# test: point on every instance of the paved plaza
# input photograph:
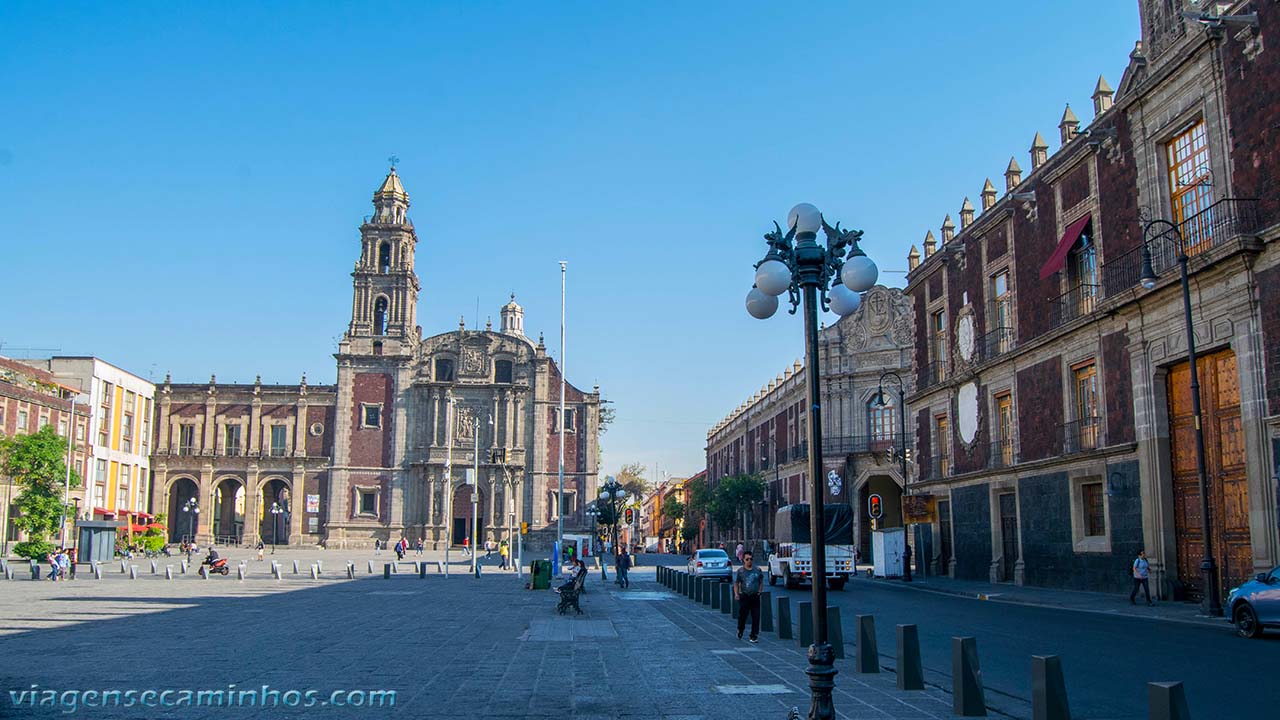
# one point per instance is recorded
(459, 647)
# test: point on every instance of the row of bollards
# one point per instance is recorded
(1165, 700)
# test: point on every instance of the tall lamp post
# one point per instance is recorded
(192, 507)
(276, 511)
(822, 278)
(1210, 602)
(614, 496)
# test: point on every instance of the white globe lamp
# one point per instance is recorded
(761, 305)
(773, 277)
(859, 273)
(844, 301)
(805, 218)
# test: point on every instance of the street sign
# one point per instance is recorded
(875, 506)
(921, 509)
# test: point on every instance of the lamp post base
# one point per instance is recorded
(1210, 604)
(822, 680)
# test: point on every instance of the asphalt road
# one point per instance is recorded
(1107, 660)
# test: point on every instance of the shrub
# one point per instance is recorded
(34, 549)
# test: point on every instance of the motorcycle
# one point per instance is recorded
(217, 566)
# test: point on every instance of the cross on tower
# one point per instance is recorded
(393, 160)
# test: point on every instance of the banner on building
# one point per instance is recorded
(919, 509)
(313, 503)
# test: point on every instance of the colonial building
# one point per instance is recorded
(861, 430)
(413, 426)
(30, 399)
(1053, 404)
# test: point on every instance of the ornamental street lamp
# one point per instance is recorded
(828, 278)
(902, 431)
(192, 507)
(276, 512)
(1210, 602)
(615, 496)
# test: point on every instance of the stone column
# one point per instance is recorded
(493, 501)
(208, 433)
(162, 425)
(300, 430)
(297, 506)
(204, 523)
(252, 507)
(255, 426)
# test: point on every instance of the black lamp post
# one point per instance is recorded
(614, 496)
(1210, 601)
(192, 507)
(819, 277)
(276, 512)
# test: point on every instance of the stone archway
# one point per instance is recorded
(182, 524)
(886, 486)
(273, 527)
(460, 525)
(227, 518)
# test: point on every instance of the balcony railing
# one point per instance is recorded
(1002, 454)
(1216, 225)
(940, 466)
(996, 343)
(854, 444)
(1080, 435)
(1075, 303)
(933, 373)
(800, 452)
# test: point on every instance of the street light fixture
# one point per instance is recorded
(193, 507)
(615, 496)
(276, 512)
(827, 278)
(1210, 602)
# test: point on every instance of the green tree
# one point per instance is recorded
(732, 498)
(37, 464)
(689, 532)
(699, 497)
(673, 508)
(631, 477)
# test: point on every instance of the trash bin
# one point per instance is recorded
(541, 572)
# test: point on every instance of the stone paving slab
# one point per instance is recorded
(450, 648)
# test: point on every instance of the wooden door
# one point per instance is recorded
(1226, 483)
(1008, 534)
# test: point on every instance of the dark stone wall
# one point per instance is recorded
(1269, 308)
(971, 527)
(1252, 86)
(924, 452)
(997, 243)
(966, 276)
(1039, 410)
(1048, 551)
(1035, 242)
(1075, 186)
(1117, 228)
(922, 335)
(1117, 385)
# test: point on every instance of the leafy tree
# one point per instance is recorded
(699, 497)
(631, 477)
(734, 496)
(673, 508)
(689, 532)
(607, 416)
(37, 464)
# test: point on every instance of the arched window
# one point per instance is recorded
(880, 418)
(384, 257)
(502, 371)
(444, 369)
(380, 316)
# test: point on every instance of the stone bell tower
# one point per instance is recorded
(384, 308)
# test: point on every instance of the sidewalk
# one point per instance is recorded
(1075, 600)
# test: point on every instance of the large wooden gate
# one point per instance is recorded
(1226, 482)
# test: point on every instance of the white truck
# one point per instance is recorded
(792, 558)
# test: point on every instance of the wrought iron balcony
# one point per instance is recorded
(1075, 303)
(855, 444)
(933, 373)
(1080, 435)
(940, 466)
(1224, 221)
(1002, 454)
(996, 343)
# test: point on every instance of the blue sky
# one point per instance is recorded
(181, 184)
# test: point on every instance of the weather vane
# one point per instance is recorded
(393, 160)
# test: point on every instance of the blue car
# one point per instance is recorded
(1255, 605)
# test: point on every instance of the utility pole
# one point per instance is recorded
(560, 430)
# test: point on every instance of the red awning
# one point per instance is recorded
(1069, 238)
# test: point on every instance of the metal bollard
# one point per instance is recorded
(1048, 689)
(386, 571)
(422, 570)
(4, 566)
(910, 668)
(370, 567)
(133, 572)
(8, 573)
(153, 567)
(240, 573)
(967, 698)
(707, 590)
(439, 567)
(868, 659)
(1167, 701)
(726, 598)
(784, 618)
(835, 631)
(395, 568)
(351, 571)
(806, 623)
(275, 572)
(717, 597)
(97, 572)
(295, 567)
(766, 611)
(315, 572)
(168, 572)
(124, 566)
(319, 567)
(184, 567)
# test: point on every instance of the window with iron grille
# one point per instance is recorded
(1190, 184)
(1092, 500)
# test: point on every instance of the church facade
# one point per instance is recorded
(413, 429)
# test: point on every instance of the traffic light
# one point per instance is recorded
(629, 515)
(524, 528)
(875, 507)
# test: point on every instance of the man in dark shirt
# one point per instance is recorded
(747, 582)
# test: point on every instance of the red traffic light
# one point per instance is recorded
(629, 515)
(875, 507)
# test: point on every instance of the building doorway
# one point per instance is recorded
(1008, 535)
(228, 511)
(944, 531)
(1227, 486)
(273, 528)
(890, 501)
(461, 528)
(182, 523)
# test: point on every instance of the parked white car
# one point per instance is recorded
(712, 563)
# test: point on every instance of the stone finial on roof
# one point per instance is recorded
(1102, 96)
(948, 229)
(796, 365)
(913, 259)
(1012, 175)
(488, 324)
(966, 214)
(1039, 151)
(1069, 127)
(988, 195)
(167, 380)
(930, 244)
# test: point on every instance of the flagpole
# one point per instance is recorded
(560, 430)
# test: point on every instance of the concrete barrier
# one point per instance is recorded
(806, 623)
(422, 571)
(386, 571)
(784, 618)
(868, 658)
(967, 698)
(766, 611)
(707, 589)
(910, 668)
(97, 572)
(726, 597)
(1167, 701)
(133, 572)
(717, 597)
(124, 566)
(835, 631)
(184, 567)
(168, 572)
(1048, 689)
(440, 567)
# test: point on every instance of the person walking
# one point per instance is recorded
(1141, 573)
(906, 562)
(739, 551)
(261, 547)
(747, 582)
(417, 548)
(377, 546)
(624, 564)
(502, 554)
(466, 546)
